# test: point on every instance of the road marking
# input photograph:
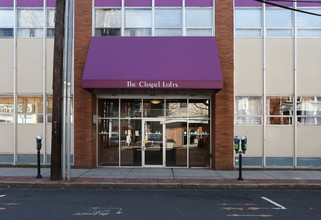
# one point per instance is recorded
(9, 203)
(274, 203)
(2, 196)
(230, 208)
(235, 204)
(236, 215)
(2, 208)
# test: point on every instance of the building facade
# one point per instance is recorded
(166, 83)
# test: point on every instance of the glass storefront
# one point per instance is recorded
(154, 132)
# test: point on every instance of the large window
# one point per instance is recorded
(279, 110)
(309, 110)
(309, 25)
(6, 23)
(248, 110)
(30, 109)
(279, 22)
(248, 22)
(51, 22)
(30, 23)
(6, 109)
(157, 21)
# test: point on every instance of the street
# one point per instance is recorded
(159, 204)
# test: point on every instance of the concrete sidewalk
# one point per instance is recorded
(152, 178)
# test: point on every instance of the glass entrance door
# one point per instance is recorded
(153, 144)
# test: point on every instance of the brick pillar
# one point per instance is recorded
(84, 101)
(224, 100)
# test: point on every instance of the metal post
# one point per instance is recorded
(38, 158)
(240, 167)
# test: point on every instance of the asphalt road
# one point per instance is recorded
(158, 204)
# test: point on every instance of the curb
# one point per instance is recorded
(142, 186)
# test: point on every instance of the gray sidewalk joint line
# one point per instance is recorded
(265, 172)
(128, 173)
(173, 173)
(219, 173)
(74, 178)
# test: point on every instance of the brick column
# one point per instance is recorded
(84, 101)
(224, 100)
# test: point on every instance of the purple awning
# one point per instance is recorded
(153, 62)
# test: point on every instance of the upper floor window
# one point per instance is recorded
(108, 22)
(248, 22)
(309, 25)
(279, 22)
(30, 23)
(6, 22)
(51, 23)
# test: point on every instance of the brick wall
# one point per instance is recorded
(224, 101)
(84, 101)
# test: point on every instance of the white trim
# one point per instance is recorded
(15, 120)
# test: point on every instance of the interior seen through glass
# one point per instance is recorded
(154, 132)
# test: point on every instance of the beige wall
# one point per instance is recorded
(6, 65)
(6, 138)
(26, 138)
(248, 66)
(309, 66)
(49, 73)
(279, 67)
(309, 141)
(254, 136)
(279, 141)
(29, 65)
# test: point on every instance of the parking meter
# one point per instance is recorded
(244, 143)
(38, 139)
(236, 144)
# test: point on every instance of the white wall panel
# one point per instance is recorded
(280, 141)
(254, 136)
(6, 138)
(26, 138)
(49, 69)
(309, 141)
(29, 66)
(309, 66)
(248, 66)
(279, 67)
(6, 65)
(48, 138)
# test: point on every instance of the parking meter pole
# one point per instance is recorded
(38, 158)
(240, 167)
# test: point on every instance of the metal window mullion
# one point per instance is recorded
(213, 14)
(183, 18)
(119, 156)
(15, 83)
(153, 17)
(187, 134)
(93, 20)
(122, 31)
(264, 85)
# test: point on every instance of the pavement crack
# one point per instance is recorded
(173, 173)
(128, 173)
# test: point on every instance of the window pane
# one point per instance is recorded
(306, 20)
(248, 120)
(107, 32)
(6, 109)
(6, 18)
(138, 18)
(6, 118)
(108, 108)
(168, 32)
(5, 32)
(49, 104)
(30, 32)
(51, 32)
(176, 108)
(135, 32)
(30, 105)
(199, 17)
(108, 142)
(248, 33)
(198, 32)
(108, 18)
(199, 108)
(153, 108)
(176, 142)
(279, 33)
(309, 106)
(199, 150)
(309, 121)
(309, 33)
(29, 18)
(279, 120)
(279, 105)
(248, 18)
(30, 118)
(249, 106)
(131, 142)
(168, 18)
(51, 18)
(278, 18)
(131, 108)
